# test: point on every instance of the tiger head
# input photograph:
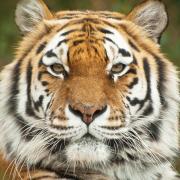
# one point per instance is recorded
(90, 87)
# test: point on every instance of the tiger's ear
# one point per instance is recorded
(29, 13)
(152, 16)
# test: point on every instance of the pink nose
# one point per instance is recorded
(86, 112)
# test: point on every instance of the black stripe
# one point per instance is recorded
(133, 46)
(161, 79)
(134, 60)
(51, 54)
(118, 160)
(63, 41)
(147, 71)
(38, 103)
(109, 24)
(133, 83)
(41, 47)
(14, 88)
(146, 66)
(40, 62)
(136, 101)
(39, 75)
(106, 56)
(148, 110)
(115, 18)
(105, 31)
(29, 108)
(61, 127)
(110, 40)
(47, 90)
(132, 157)
(121, 51)
(68, 32)
(67, 17)
(124, 52)
(111, 128)
(75, 43)
(64, 26)
(68, 176)
(153, 129)
(131, 71)
(44, 83)
(49, 104)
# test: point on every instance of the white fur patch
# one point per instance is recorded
(87, 151)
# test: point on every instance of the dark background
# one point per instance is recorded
(9, 34)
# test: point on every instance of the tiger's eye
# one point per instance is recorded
(57, 68)
(117, 68)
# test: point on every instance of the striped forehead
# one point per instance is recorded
(114, 44)
(117, 48)
(56, 50)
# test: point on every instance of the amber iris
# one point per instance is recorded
(117, 68)
(57, 68)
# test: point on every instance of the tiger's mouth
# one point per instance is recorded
(89, 136)
(113, 144)
(88, 150)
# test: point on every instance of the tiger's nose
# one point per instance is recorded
(87, 112)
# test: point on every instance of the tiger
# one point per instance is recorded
(90, 95)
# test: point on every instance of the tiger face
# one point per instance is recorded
(91, 88)
(82, 74)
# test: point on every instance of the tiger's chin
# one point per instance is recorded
(87, 152)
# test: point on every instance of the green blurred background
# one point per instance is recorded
(9, 34)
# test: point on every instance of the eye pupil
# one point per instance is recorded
(57, 68)
(117, 68)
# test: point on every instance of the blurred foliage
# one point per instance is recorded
(9, 34)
